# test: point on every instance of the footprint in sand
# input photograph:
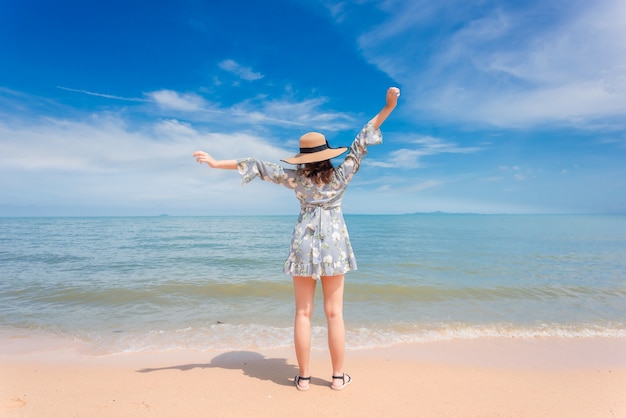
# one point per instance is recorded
(141, 405)
(14, 403)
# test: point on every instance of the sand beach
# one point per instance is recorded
(469, 378)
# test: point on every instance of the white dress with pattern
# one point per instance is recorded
(320, 245)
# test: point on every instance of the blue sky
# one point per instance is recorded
(506, 106)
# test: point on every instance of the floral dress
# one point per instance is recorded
(320, 245)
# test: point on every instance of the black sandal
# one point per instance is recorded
(345, 378)
(297, 380)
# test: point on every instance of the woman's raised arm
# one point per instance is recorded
(391, 101)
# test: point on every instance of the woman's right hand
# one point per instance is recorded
(204, 157)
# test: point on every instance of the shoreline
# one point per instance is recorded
(483, 377)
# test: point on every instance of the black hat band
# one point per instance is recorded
(314, 149)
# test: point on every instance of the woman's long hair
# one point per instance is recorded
(320, 172)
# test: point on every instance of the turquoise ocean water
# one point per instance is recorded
(160, 283)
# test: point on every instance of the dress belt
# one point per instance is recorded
(318, 215)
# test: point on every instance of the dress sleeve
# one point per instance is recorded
(250, 168)
(358, 150)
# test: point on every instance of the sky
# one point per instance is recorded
(506, 106)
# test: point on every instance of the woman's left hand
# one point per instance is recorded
(392, 96)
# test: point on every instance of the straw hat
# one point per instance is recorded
(313, 148)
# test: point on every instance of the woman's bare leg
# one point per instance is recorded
(333, 309)
(304, 290)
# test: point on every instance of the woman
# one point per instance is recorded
(320, 246)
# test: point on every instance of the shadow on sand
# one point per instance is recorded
(252, 364)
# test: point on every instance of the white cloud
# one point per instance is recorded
(104, 95)
(175, 128)
(517, 172)
(101, 162)
(99, 144)
(239, 70)
(173, 100)
(256, 111)
(425, 185)
(307, 113)
(336, 9)
(506, 64)
(426, 146)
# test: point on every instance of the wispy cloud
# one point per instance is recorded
(104, 95)
(506, 64)
(425, 185)
(285, 111)
(245, 73)
(307, 113)
(516, 171)
(410, 158)
(93, 161)
(168, 99)
(257, 111)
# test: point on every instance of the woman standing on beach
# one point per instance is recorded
(320, 246)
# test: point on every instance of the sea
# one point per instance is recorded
(134, 284)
